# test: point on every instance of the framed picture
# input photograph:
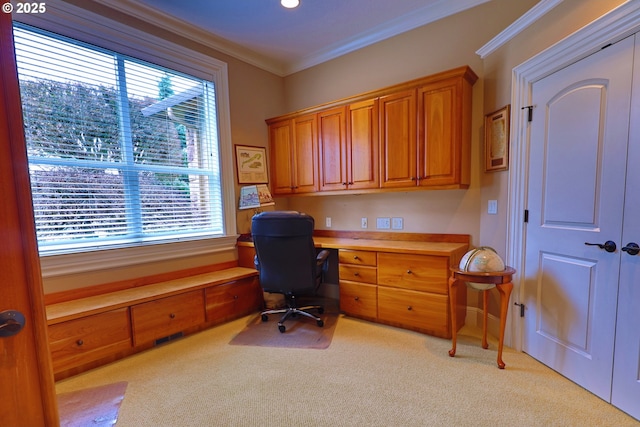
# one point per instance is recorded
(496, 140)
(252, 164)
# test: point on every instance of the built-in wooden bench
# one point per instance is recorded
(99, 328)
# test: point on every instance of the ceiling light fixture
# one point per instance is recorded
(290, 4)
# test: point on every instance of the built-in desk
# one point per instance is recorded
(400, 279)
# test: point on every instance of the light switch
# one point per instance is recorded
(492, 208)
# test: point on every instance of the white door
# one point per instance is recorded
(626, 366)
(577, 170)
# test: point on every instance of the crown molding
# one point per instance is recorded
(184, 29)
(392, 28)
(389, 29)
(535, 13)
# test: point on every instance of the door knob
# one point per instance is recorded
(11, 322)
(632, 248)
(608, 246)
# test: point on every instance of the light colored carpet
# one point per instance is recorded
(371, 375)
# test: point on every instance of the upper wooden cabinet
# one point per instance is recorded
(293, 145)
(348, 146)
(413, 135)
(444, 133)
(398, 139)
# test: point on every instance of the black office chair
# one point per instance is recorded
(287, 261)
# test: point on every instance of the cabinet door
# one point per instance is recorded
(417, 272)
(281, 153)
(420, 311)
(362, 145)
(79, 341)
(232, 300)
(305, 154)
(443, 134)
(398, 135)
(332, 146)
(359, 299)
(167, 316)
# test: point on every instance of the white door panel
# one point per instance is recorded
(576, 190)
(626, 368)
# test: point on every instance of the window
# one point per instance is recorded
(120, 150)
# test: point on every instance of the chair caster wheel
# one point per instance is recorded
(282, 328)
(320, 323)
(265, 317)
(320, 310)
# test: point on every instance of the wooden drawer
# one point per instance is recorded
(167, 316)
(421, 311)
(232, 300)
(346, 256)
(358, 299)
(357, 273)
(76, 342)
(418, 272)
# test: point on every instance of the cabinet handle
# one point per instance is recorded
(79, 342)
(172, 315)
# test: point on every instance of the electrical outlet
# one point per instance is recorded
(327, 222)
(383, 223)
(363, 223)
(397, 223)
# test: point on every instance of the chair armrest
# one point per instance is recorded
(322, 256)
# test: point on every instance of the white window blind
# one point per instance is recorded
(120, 150)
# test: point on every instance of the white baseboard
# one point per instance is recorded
(473, 318)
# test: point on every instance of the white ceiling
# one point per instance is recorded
(288, 40)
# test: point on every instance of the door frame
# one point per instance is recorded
(610, 28)
(25, 364)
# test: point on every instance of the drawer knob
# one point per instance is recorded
(235, 297)
(356, 274)
(357, 298)
(172, 315)
(409, 272)
(409, 308)
(355, 257)
(79, 342)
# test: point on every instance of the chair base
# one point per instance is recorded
(293, 311)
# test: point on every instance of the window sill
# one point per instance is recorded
(61, 265)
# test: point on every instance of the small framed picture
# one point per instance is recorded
(496, 140)
(252, 164)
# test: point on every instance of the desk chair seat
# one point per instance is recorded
(287, 261)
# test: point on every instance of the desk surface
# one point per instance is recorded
(397, 246)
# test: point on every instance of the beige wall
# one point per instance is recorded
(563, 20)
(256, 95)
(446, 44)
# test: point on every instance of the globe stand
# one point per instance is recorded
(498, 279)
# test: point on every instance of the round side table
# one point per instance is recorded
(502, 281)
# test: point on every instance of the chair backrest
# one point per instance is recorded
(286, 254)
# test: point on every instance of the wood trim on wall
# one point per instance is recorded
(89, 291)
(381, 235)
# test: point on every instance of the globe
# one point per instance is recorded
(481, 259)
